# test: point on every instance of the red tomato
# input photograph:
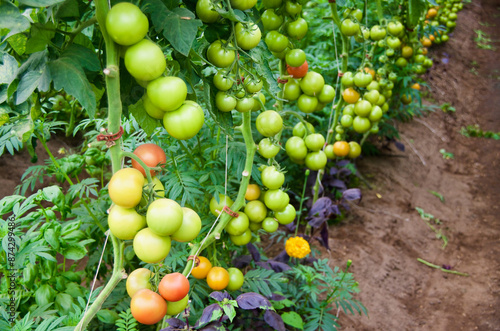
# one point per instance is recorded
(174, 287)
(148, 307)
(150, 154)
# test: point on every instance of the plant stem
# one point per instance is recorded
(306, 175)
(141, 162)
(240, 199)
(116, 277)
(441, 268)
(112, 77)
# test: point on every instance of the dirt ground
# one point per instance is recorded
(385, 235)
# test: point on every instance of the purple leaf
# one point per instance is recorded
(220, 296)
(254, 252)
(345, 205)
(279, 266)
(264, 265)
(344, 172)
(282, 257)
(274, 320)
(174, 324)
(316, 222)
(339, 184)
(334, 209)
(290, 227)
(333, 171)
(400, 146)
(242, 261)
(320, 205)
(214, 326)
(342, 163)
(324, 236)
(277, 297)
(352, 194)
(210, 313)
(251, 300)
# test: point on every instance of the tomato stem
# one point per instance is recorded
(141, 162)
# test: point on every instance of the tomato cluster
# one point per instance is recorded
(218, 278)
(145, 61)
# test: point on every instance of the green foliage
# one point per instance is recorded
(476, 131)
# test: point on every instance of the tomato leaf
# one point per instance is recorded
(274, 320)
(39, 3)
(252, 300)
(68, 75)
(12, 20)
(179, 26)
(261, 55)
(69, 8)
(41, 35)
(416, 9)
(147, 123)
(8, 69)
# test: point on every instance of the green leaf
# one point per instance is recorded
(52, 238)
(69, 76)
(293, 319)
(261, 56)
(44, 295)
(18, 43)
(68, 8)
(41, 35)
(86, 58)
(64, 302)
(229, 311)
(52, 193)
(39, 3)
(107, 316)
(223, 120)
(8, 69)
(23, 129)
(11, 19)
(416, 10)
(74, 252)
(29, 82)
(147, 123)
(179, 26)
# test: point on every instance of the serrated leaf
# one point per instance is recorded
(41, 35)
(29, 82)
(179, 25)
(67, 75)
(86, 58)
(147, 123)
(11, 19)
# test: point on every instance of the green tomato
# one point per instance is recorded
(221, 54)
(361, 124)
(217, 207)
(287, 215)
(185, 122)
(126, 24)
(376, 114)
(124, 223)
(307, 104)
(272, 178)
(312, 83)
(347, 79)
(190, 227)
(248, 36)
(170, 86)
(223, 82)
(205, 11)
(349, 28)
(291, 90)
(363, 108)
(270, 20)
(275, 41)
(327, 94)
(177, 307)
(270, 224)
(297, 29)
(238, 225)
(236, 279)
(164, 216)
(315, 141)
(372, 96)
(377, 33)
(267, 149)
(242, 239)
(276, 199)
(150, 247)
(296, 148)
(225, 102)
(269, 123)
(316, 160)
(243, 4)
(295, 57)
(299, 130)
(256, 211)
(346, 121)
(145, 60)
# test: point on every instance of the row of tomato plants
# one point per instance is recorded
(225, 66)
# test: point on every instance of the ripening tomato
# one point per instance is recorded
(298, 72)
(126, 24)
(124, 223)
(253, 192)
(150, 247)
(152, 155)
(350, 95)
(341, 148)
(137, 280)
(216, 207)
(145, 61)
(217, 278)
(201, 271)
(174, 286)
(190, 227)
(125, 187)
(354, 150)
(148, 307)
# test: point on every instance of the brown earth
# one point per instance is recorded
(385, 235)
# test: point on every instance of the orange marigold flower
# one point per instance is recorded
(297, 247)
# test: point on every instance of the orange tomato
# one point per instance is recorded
(350, 95)
(148, 307)
(218, 278)
(341, 148)
(201, 271)
(253, 192)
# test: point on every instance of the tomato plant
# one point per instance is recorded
(126, 24)
(218, 278)
(125, 187)
(174, 286)
(148, 307)
(201, 271)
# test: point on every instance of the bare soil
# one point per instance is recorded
(385, 235)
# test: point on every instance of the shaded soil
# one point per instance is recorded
(385, 235)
